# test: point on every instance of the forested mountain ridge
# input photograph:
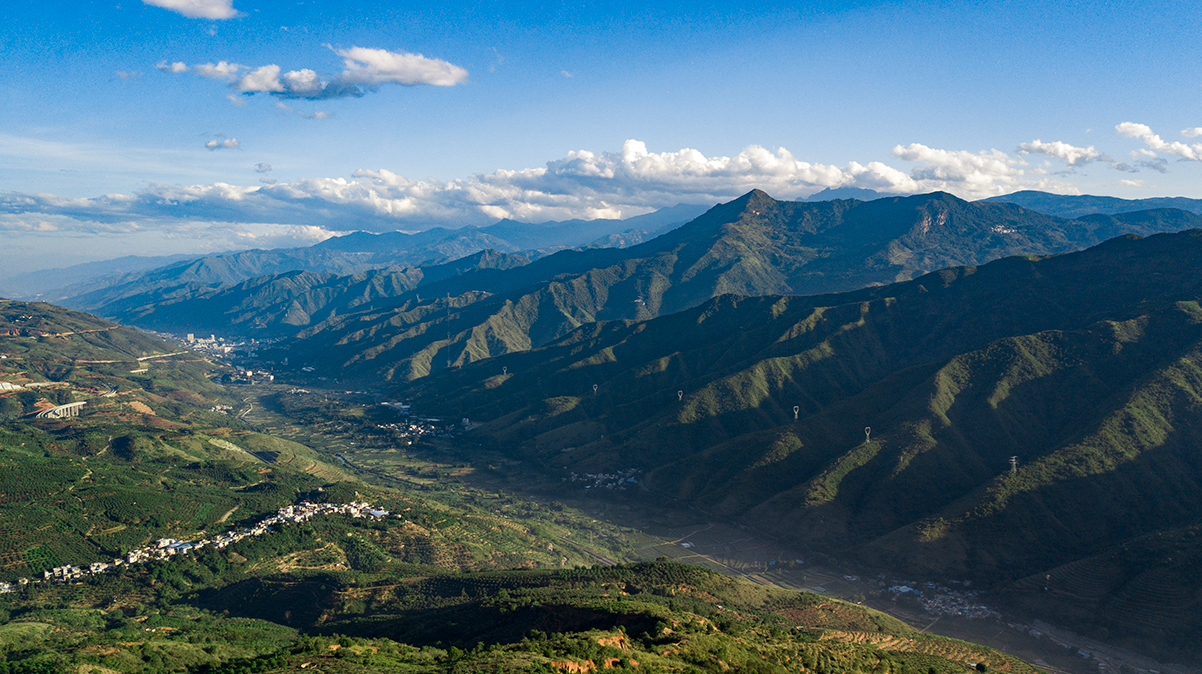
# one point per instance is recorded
(1084, 366)
(754, 245)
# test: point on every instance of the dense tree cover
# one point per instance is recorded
(654, 617)
(1084, 366)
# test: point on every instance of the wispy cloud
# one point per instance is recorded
(1144, 158)
(263, 167)
(198, 9)
(176, 67)
(373, 67)
(128, 74)
(363, 70)
(221, 143)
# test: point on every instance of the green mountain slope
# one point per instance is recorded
(426, 589)
(1084, 366)
(158, 449)
(146, 457)
(752, 246)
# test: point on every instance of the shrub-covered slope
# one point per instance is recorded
(228, 613)
(1084, 366)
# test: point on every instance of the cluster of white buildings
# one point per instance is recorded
(613, 481)
(165, 548)
(411, 429)
(214, 345)
(944, 600)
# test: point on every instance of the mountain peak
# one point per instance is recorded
(756, 199)
(857, 193)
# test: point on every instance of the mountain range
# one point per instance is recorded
(1077, 205)
(922, 384)
(879, 424)
(155, 532)
(93, 285)
(754, 245)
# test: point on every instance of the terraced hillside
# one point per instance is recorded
(154, 448)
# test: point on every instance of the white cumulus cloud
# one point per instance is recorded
(1157, 144)
(1069, 154)
(373, 67)
(198, 9)
(222, 70)
(1192, 133)
(261, 80)
(975, 174)
(583, 184)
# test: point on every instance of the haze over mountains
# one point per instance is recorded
(403, 324)
(91, 285)
(1077, 205)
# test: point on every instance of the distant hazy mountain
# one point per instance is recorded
(751, 246)
(1087, 367)
(1075, 206)
(277, 305)
(357, 253)
(858, 193)
(55, 284)
(570, 233)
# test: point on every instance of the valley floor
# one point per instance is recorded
(619, 521)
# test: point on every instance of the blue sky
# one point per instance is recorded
(552, 110)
